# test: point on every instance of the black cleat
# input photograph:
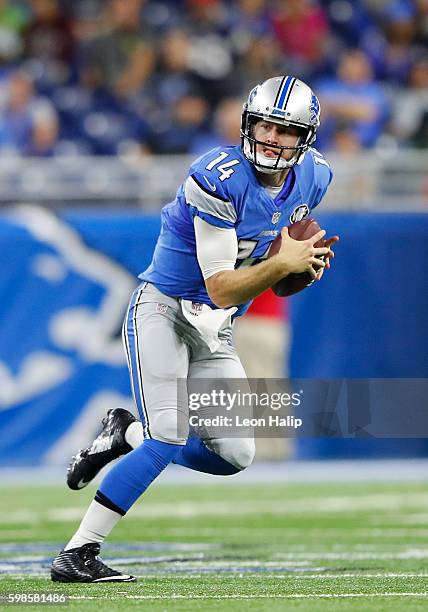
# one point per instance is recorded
(108, 445)
(83, 565)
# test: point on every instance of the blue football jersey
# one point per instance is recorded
(222, 188)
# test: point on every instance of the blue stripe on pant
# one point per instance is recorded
(130, 339)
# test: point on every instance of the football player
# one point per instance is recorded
(233, 203)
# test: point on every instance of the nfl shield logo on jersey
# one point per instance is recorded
(299, 213)
(276, 217)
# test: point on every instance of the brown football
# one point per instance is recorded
(293, 283)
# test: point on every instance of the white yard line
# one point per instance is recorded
(296, 576)
(289, 576)
(347, 575)
(285, 596)
(411, 553)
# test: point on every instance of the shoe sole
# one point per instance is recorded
(84, 483)
(59, 577)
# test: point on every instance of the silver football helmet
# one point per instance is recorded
(287, 101)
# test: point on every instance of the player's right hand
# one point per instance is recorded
(302, 255)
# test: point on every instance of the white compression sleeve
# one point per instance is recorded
(95, 526)
(216, 247)
(134, 434)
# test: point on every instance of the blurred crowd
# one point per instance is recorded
(169, 76)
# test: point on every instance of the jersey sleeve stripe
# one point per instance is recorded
(208, 203)
(211, 219)
(208, 191)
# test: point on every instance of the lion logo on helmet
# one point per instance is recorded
(314, 109)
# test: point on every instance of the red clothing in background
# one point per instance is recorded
(269, 305)
(301, 32)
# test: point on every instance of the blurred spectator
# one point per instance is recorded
(351, 21)
(392, 56)
(226, 123)
(49, 42)
(302, 31)
(352, 100)
(13, 18)
(206, 17)
(187, 121)
(173, 101)
(262, 61)
(163, 98)
(422, 23)
(411, 107)
(28, 123)
(173, 77)
(89, 18)
(122, 58)
(346, 141)
(211, 54)
(249, 19)
(117, 70)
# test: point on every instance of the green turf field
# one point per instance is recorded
(232, 547)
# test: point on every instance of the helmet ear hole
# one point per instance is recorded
(302, 132)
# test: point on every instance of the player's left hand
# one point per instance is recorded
(328, 243)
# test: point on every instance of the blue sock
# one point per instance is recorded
(196, 456)
(131, 476)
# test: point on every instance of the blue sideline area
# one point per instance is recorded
(368, 318)
(65, 286)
